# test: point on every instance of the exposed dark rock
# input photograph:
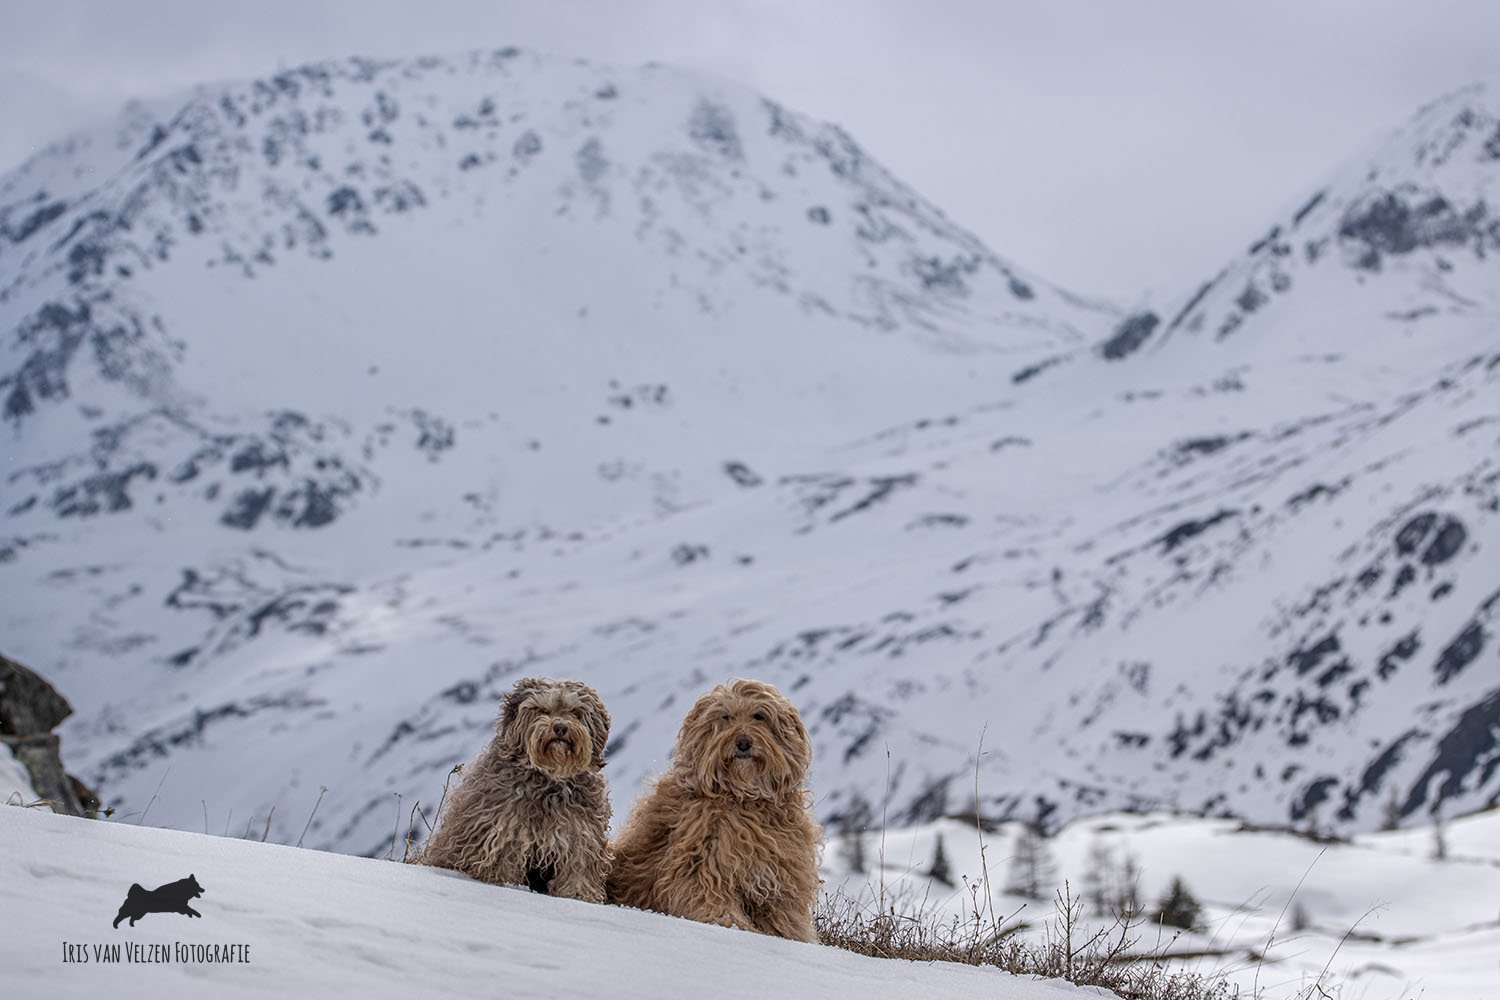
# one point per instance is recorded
(435, 435)
(56, 332)
(310, 505)
(345, 200)
(1449, 539)
(483, 116)
(257, 457)
(462, 693)
(712, 128)
(1473, 744)
(1313, 492)
(1396, 223)
(400, 197)
(30, 709)
(1191, 529)
(28, 704)
(742, 474)
(100, 493)
(1128, 337)
(1404, 649)
(684, 554)
(945, 275)
(591, 161)
(1340, 668)
(1265, 241)
(247, 508)
(1206, 445)
(36, 220)
(881, 487)
(1374, 774)
(1192, 303)
(1461, 652)
(1307, 660)
(526, 146)
(1032, 371)
(1306, 210)
(1405, 577)
(929, 805)
(1252, 298)
(1314, 794)
(156, 743)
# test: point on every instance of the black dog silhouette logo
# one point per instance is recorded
(173, 897)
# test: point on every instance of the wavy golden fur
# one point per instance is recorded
(725, 836)
(532, 808)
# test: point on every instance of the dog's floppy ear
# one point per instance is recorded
(596, 717)
(800, 743)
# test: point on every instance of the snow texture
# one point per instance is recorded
(320, 924)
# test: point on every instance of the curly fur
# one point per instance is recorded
(725, 836)
(532, 808)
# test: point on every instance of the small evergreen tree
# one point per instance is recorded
(1300, 920)
(1032, 873)
(1099, 878)
(1439, 838)
(1178, 908)
(1128, 890)
(940, 870)
(1390, 818)
(852, 824)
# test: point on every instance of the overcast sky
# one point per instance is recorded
(1113, 146)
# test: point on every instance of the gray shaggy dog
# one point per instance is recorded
(532, 809)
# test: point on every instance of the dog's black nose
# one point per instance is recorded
(559, 729)
(743, 744)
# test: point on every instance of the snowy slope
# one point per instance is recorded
(338, 400)
(327, 925)
(1384, 921)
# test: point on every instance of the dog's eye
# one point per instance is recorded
(724, 717)
(759, 717)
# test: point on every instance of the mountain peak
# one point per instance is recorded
(1410, 225)
(341, 398)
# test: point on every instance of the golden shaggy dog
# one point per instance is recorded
(725, 836)
(532, 808)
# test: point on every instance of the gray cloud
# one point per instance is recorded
(1109, 146)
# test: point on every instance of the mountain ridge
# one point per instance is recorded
(516, 365)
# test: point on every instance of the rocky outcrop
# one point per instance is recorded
(30, 709)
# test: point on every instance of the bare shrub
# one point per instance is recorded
(1106, 958)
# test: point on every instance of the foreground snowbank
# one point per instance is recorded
(316, 924)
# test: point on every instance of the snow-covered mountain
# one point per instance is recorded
(338, 400)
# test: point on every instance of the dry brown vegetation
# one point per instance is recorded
(1106, 958)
